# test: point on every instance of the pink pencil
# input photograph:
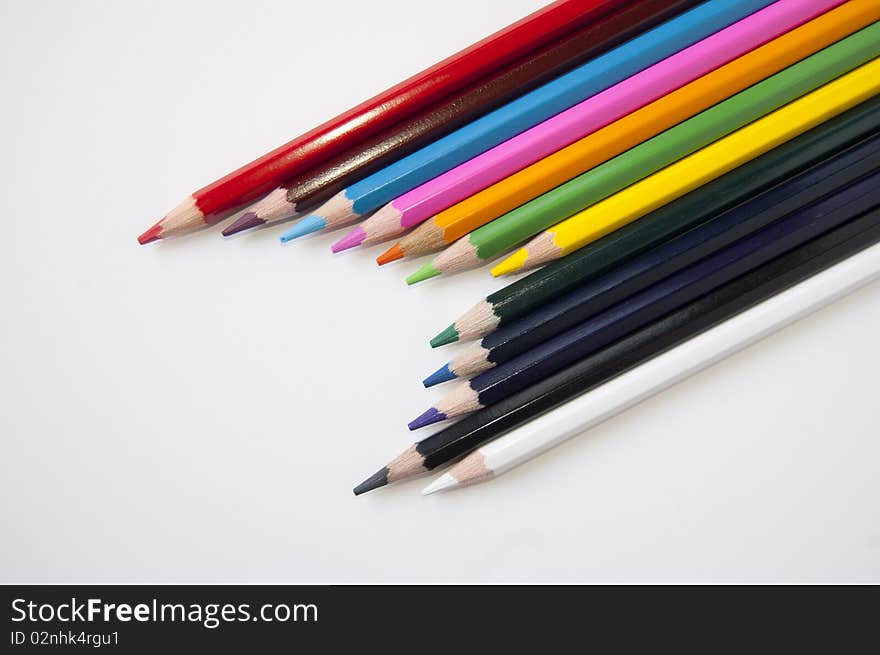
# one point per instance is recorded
(592, 114)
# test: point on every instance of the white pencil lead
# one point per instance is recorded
(442, 483)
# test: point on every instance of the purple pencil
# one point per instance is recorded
(418, 205)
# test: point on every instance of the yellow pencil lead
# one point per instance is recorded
(512, 264)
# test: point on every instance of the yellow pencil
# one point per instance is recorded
(697, 169)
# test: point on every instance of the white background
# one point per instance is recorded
(199, 410)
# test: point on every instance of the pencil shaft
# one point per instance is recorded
(650, 267)
(523, 186)
(695, 133)
(523, 296)
(675, 328)
(672, 367)
(383, 186)
(678, 289)
(675, 180)
(308, 191)
(398, 102)
(603, 108)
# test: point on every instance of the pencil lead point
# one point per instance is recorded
(449, 335)
(442, 374)
(378, 479)
(311, 223)
(245, 222)
(352, 239)
(428, 417)
(153, 234)
(442, 483)
(426, 272)
(394, 253)
(512, 264)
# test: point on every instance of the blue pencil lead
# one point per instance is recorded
(442, 374)
(311, 223)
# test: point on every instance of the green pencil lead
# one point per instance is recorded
(449, 335)
(424, 273)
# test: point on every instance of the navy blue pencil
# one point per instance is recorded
(661, 261)
(654, 302)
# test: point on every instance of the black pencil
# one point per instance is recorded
(523, 296)
(783, 272)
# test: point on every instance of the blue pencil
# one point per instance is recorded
(654, 302)
(630, 277)
(527, 111)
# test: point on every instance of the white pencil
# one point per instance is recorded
(662, 372)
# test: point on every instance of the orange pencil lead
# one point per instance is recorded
(394, 253)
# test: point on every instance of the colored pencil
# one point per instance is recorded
(775, 167)
(477, 210)
(310, 189)
(526, 111)
(677, 327)
(653, 302)
(648, 194)
(206, 206)
(419, 204)
(637, 274)
(606, 179)
(666, 370)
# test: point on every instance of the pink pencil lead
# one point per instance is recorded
(352, 239)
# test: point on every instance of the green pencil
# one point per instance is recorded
(544, 285)
(525, 221)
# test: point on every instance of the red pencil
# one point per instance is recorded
(207, 205)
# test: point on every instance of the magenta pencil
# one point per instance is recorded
(420, 204)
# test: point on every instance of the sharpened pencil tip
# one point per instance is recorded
(351, 240)
(244, 222)
(394, 253)
(449, 335)
(442, 374)
(426, 272)
(428, 417)
(512, 264)
(378, 479)
(311, 223)
(153, 234)
(442, 483)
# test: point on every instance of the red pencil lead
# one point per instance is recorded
(153, 234)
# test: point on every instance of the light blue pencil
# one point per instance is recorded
(556, 96)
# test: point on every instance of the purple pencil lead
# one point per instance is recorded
(431, 416)
(244, 222)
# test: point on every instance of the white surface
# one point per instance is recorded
(165, 409)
